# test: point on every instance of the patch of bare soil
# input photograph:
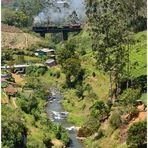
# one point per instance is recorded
(57, 144)
(141, 116)
(4, 99)
(13, 101)
(10, 29)
(18, 79)
(123, 129)
(123, 133)
(93, 78)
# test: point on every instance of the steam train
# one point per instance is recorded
(55, 27)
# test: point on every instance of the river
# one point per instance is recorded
(57, 114)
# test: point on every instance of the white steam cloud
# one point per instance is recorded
(58, 11)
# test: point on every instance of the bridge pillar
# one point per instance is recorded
(42, 34)
(65, 35)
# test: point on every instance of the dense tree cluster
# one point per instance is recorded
(70, 63)
(14, 128)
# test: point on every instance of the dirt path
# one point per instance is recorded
(18, 79)
(141, 116)
(124, 128)
(13, 101)
(4, 98)
(26, 40)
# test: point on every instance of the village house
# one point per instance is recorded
(5, 75)
(44, 52)
(10, 91)
(50, 62)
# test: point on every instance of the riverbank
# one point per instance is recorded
(57, 115)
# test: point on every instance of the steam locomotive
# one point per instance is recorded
(55, 27)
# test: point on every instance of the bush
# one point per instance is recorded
(99, 110)
(129, 96)
(99, 134)
(93, 74)
(36, 71)
(137, 134)
(115, 120)
(58, 74)
(93, 124)
(82, 51)
(41, 71)
(84, 132)
(33, 142)
(62, 134)
(133, 112)
(16, 18)
(14, 127)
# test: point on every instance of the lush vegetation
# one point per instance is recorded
(137, 134)
(101, 74)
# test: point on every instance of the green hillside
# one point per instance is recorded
(138, 55)
(84, 87)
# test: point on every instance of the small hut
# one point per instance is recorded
(50, 62)
(11, 92)
(44, 52)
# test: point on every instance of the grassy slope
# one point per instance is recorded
(35, 128)
(78, 114)
(100, 84)
(138, 53)
(18, 40)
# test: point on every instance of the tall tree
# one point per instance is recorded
(108, 24)
(136, 12)
(30, 8)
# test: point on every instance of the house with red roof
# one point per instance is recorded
(10, 91)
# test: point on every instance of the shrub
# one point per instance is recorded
(14, 127)
(82, 51)
(93, 74)
(99, 134)
(36, 71)
(41, 70)
(84, 132)
(58, 74)
(90, 127)
(133, 112)
(80, 92)
(115, 120)
(62, 134)
(129, 96)
(93, 124)
(99, 110)
(83, 106)
(137, 134)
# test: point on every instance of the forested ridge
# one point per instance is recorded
(101, 73)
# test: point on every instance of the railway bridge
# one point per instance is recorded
(54, 29)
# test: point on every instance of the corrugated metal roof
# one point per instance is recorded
(3, 80)
(50, 61)
(10, 90)
(45, 50)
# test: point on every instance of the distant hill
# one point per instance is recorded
(15, 38)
